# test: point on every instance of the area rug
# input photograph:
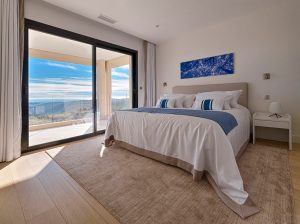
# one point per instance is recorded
(136, 189)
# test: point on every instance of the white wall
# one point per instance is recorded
(264, 41)
(45, 13)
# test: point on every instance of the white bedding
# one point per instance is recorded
(241, 133)
(197, 141)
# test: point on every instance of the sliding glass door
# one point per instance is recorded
(114, 88)
(60, 88)
(71, 85)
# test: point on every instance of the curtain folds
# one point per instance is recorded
(11, 57)
(150, 67)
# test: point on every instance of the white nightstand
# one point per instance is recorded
(263, 120)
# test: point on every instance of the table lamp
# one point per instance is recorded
(275, 109)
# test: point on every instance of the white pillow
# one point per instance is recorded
(235, 99)
(227, 104)
(219, 94)
(182, 100)
(188, 100)
(178, 99)
(209, 104)
(165, 103)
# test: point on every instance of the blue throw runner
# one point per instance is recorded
(226, 120)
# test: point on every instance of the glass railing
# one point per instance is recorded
(47, 112)
(80, 111)
(120, 104)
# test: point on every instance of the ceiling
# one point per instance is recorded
(174, 17)
(47, 42)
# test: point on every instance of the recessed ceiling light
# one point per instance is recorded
(107, 19)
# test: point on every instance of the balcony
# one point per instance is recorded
(53, 121)
(40, 134)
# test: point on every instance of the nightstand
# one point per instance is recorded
(264, 120)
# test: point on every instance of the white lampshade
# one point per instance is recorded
(275, 108)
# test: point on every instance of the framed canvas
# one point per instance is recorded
(211, 66)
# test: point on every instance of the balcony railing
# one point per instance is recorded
(54, 113)
(48, 114)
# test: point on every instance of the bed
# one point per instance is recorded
(202, 143)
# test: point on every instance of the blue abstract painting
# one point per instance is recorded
(212, 66)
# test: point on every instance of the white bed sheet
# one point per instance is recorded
(240, 134)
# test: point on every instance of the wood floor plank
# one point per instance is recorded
(70, 204)
(40, 158)
(51, 216)
(32, 195)
(10, 208)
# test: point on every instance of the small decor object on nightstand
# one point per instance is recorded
(266, 120)
(275, 109)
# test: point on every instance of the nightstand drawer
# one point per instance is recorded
(272, 124)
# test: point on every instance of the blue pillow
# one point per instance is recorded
(163, 103)
(207, 104)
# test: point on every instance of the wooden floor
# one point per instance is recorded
(34, 189)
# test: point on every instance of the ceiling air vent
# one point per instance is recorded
(107, 19)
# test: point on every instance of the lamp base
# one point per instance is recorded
(275, 115)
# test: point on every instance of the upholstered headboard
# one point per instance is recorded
(216, 87)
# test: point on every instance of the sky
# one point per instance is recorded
(54, 80)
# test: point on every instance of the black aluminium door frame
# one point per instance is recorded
(95, 43)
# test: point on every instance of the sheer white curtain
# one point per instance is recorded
(11, 50)
(150, 74)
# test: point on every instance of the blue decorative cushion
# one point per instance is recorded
(207, 104)
(164, 103)
(202, 103)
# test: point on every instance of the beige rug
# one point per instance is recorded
(136, 189)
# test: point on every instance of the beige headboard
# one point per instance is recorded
(215, 87)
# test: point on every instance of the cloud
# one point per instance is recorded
(61, 65)
(59, 88)
(120, 85)
(120, 75)
(73, 81)
(80, 78)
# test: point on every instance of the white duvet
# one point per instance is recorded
(197, 141)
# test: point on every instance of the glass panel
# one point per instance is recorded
(60, 88)
(113, 73)
(120, 80)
